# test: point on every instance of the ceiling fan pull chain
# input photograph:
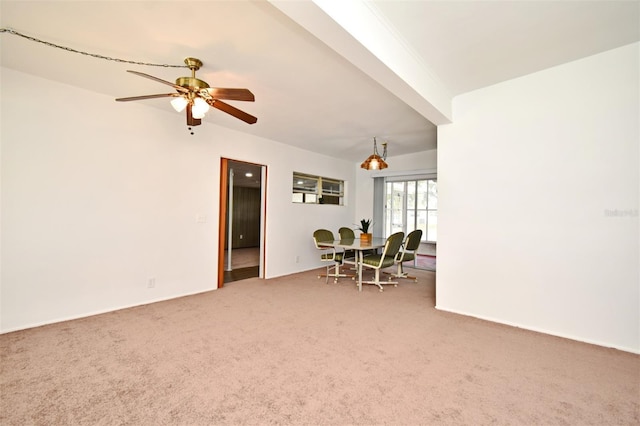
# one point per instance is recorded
(95, 55)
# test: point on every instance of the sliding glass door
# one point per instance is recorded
(410, 205)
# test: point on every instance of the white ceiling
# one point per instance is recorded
(388, 69)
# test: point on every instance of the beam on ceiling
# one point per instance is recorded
(356, 30)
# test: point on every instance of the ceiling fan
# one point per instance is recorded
(196, 96)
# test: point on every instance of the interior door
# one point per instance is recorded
(241, 228)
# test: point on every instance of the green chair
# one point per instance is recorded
(384, 260)
(347, 235)
(329, 254)
(408, 253)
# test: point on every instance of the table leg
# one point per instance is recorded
(359, 270)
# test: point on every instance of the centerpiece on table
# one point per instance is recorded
(365, 237)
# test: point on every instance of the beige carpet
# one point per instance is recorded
(295, 350)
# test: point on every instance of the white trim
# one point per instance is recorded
(407, 47)
(102, 311)
(430, 173)
(539, 330)
(411, 178)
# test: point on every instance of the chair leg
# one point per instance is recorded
(401, 274)
(379, 283)
(339, 275)
(406, 275)
(336, 273)
(377, 279)
(326, 275)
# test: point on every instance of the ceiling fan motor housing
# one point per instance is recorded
(191, 83)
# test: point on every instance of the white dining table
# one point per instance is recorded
(359, 247)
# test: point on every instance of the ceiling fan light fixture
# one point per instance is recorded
(197, 114)
(179, 103)
(196, 96)
(200, 108)
(374, 161)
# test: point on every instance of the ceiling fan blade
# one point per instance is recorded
(231, 94)
(139, 98)
(159, 80)
(190, 120)
(247, 118)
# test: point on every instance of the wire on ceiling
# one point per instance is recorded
(95, 55)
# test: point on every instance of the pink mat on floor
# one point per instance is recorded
(424, 262)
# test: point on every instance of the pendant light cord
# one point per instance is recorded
(94, 55)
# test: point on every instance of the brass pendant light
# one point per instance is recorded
(375, 162)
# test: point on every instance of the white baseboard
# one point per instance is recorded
(537, 330)
(105, 311)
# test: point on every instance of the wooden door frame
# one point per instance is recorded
(222, 222)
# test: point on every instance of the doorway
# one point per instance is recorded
(409, 203)
(242, 201)
(412, 204)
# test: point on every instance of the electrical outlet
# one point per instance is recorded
(241, 236)
(151, 283)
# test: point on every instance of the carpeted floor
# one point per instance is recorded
(296, 351)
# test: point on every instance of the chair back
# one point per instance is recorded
(413, 240)
(388, 255)
(347, 236)
(393, 244)
(320, 235)
(409, 246)
(346, 233)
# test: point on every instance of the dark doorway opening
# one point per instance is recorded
(241, 217)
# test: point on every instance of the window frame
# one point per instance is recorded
(322, 191)
(404, 208)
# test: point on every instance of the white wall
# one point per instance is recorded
(98, 197)
(531, 175)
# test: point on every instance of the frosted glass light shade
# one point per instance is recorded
(200, 108)
(179, 103)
